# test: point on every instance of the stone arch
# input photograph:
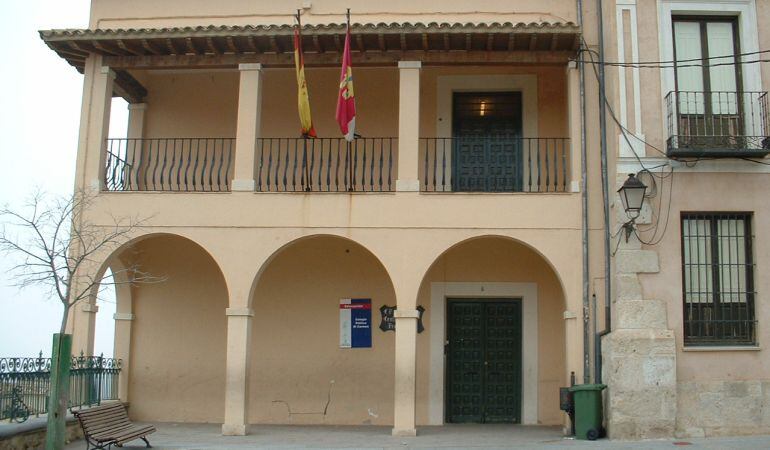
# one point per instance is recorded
(516, 240)
(286, 245)
(175, 364)
(497, 266)
(298, 371)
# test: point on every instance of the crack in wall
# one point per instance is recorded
(297, 413)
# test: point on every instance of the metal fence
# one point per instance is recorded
(25, 384)
(326, 165)
(708, 121)
(494, 164)
(169, 164)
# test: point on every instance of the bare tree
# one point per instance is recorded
(57, 246)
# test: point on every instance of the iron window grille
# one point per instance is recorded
(718, 279)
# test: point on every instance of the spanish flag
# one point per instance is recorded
(303, 99)
(346, 102)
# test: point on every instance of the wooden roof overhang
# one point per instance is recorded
(272, 45)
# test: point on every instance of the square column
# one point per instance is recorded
(237, 371)
(134, 147)
(575, 127)
(406, 366)
(408, 126)
(122, 350)
(94, 124)
(248, 127)
(136, 113)
(82, 326)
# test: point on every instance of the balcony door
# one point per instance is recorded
(708, 82)
(487, 150)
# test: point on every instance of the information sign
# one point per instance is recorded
(355, 323)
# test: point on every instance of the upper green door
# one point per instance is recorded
(487, 153)
(483, 380)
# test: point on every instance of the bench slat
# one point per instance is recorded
(110, 424)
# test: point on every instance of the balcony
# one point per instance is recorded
(716, 124)
(477, 164)
(169, 164)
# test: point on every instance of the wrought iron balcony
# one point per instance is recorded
(169, 164)
(494, 164)
(326, 165)
(718, 124)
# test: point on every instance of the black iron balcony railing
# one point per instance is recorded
(169, 164)
(25, 384)
(326, 165)
(718, 124)
(494, 164)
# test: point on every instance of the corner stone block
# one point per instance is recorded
(638, 343)
(627, 287)
(637, 261)
(641, 314)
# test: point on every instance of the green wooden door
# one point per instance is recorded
(483, 379)
(487, 153)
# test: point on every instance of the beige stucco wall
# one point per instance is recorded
(144, 13)
(299, 374)
(204, 104)
(726, 185)
(715, 193)
(178, 334)
(407, 231)
(719, 391)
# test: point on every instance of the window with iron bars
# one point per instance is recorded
(718, 279)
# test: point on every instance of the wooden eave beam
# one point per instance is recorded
(231, 47)
(147, 46)
(122, 45)
(128, 87)
(212, 46)
(387, 58)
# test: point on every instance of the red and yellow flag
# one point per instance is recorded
(346, 102)
(303, 98)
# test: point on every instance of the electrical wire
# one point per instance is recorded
(621, 64)
(678, 63)
(653, 240)
(625, 132)
(624, 129)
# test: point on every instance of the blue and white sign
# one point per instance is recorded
(356, 323)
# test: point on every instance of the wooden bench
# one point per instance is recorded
(107, 425)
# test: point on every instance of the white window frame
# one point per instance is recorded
(746, 13)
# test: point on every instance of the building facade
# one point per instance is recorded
(466, 221)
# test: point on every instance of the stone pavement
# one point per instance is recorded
(207, 436)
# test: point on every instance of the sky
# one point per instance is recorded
(40, 99)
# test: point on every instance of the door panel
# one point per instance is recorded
(483, 361)
(487, 154)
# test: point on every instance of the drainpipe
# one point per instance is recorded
(584, 198)
(606, 198)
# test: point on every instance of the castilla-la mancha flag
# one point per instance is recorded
(346, 102)
(303, 99)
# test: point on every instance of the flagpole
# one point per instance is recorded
(305, 169)
(350, 167)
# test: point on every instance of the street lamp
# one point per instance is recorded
(632, 195)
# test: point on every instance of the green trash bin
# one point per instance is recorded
(588, 410)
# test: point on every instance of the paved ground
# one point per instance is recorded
(207, 436)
